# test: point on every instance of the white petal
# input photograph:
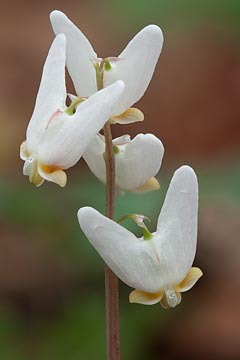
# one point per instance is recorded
(79, 54)
(138, 161)
(51, 93)
(94, 158)
(176, 300)
(135, 65)
(135, 261)
(121, 140)
(176, 235)
(68, 137)
(30, 169)
(162, 262)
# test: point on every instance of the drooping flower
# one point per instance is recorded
(134, 66)
(136, 161)
(56, 140)
(158, 266)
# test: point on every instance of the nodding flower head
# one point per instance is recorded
(134, 65)
(57, 138)
(159, 267)
(137, 161)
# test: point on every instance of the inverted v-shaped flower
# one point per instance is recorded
(158, 268)
(56, 140)
(134, 66)
(136, 160)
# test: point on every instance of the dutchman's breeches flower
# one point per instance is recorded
(58, 136)
(158, 265)
(137, 161)
(134, 66)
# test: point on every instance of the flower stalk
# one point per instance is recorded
(111, 280)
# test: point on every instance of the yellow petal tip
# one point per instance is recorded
(51, 173)
(190, 279)
(151, 184)
(144, 298)
(24, 154)
(60, 178)
(129, 116)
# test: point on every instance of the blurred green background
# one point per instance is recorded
(51, 280)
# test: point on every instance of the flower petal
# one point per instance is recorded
(68, 137)
(142, 297)
(150, 185)
(138, 161)
(51, 93)
(190, 280)
(162, 262)
(176, 235)
(79, 54)
(30, 169)
(133, 260)
(129, 116)
(58, 176)
(109, 239)
(164, 302)
(24, 154)
(94, 158)
(135, 65)
(121, 140)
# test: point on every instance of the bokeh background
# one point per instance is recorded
(51, 280)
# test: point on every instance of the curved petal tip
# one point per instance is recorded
(56, 14)
(57, 176)
(145, 298)
(85, 212)
(190, 280)
(154, 30)
(185, 175)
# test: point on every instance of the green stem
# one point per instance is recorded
(70, 110)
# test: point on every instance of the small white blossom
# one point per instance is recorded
(136, 160)
(56, 140)
(158, 268)
(134, 66)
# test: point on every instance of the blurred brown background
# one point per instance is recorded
(51, 281)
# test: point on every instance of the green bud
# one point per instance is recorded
(116, 149)
(107, 65)
(69, 110)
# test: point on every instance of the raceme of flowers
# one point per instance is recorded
(158, 265)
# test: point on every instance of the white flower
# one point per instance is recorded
(159, 268)
(136, 161)
(56, 140)
(134, 66)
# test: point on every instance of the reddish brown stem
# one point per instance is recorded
(111, 280)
